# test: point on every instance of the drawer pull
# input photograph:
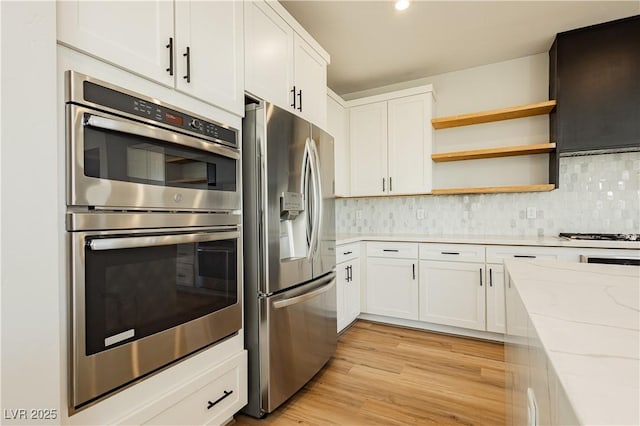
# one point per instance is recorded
(526, 256)
(391, 250)
(226, 394)
(449, 252)
(346, 253)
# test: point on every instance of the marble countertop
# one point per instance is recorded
(490, 240)
(588, 320)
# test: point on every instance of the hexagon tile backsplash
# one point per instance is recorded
(597, 193)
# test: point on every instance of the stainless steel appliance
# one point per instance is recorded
(154, 235)
(128, 151)
(289, 253)
(606, 237)
(631, 259)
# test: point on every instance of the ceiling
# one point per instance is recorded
(372, 45)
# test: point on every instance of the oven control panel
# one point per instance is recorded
(166, 116)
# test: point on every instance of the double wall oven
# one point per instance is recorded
(154, 235)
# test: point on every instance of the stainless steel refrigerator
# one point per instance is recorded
(289, 253)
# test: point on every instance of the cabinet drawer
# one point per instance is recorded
(225, 387)
(347, 252)
(395, 250)
(452, 252)
(497, 254)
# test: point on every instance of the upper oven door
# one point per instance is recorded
(117, 163)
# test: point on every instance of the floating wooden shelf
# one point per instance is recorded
(519, 111)
(495, 189)
(507, 151)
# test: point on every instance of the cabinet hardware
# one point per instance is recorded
(450, 252)
(188, 56)
(350, 273)
(211, 404)
(414, 271)
(390, 184)
(293, 94)
(526, 256)
(170, 47)
(300, 100)
(346, 253)
(346, 270)
(480, 277)
(391, 250)
(490, 277)
(383, 187)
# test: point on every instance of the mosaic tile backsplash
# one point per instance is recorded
(597, 193)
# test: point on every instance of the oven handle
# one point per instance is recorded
(159, 240)
(331, 279)
(127, 126)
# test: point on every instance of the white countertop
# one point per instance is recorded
(588, 320)
(490, 240)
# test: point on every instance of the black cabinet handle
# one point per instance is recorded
(170, 47)
(391, 250)
(347, 252)
(390, 184)
(450, 252)
(300, 99)
(480, 277)
(414, 271)
(526, 256)
(211, 404)
(490, 277)
(383, 187)
(346, 270)
(293, 93)
(350, 273)
(188, 56)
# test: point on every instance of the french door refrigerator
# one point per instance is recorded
(289, 253)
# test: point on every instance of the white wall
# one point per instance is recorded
(30, 211)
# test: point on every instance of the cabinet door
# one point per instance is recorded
(338, 126)
(310, 81)
(342, 282)
(409, 122)
(133, 35)
(353, 293)
(213, 33)
(268, 54)
(368, 144)
(452, 293)
(392, 288)
(495, 298)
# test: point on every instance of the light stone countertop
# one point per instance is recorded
(587, 318)
(489, 240)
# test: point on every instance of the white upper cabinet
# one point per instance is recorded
(133, 35)
(390, 143)
(310, 71)
(368, 149)
(268, 54)
(409, 149)
(213, 69)
(338, 126)
(140, 37)
(283, 66)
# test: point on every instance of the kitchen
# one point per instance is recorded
(34, 296)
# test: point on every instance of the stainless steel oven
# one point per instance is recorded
(146, 290)
(128, 151)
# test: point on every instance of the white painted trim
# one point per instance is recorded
(284, 14)
(455, 331)
(391, 95)
(333, 95)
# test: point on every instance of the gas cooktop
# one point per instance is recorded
(609, 237)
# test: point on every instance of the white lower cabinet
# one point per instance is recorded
(392, 282)
(211, 399)
(452, 293)
(495, 298)
(348, 284)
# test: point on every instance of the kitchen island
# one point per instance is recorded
(572, 346)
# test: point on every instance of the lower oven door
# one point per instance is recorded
(142, 300)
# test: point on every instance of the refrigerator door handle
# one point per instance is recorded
(318, 202)
(310, 193)
(331, 279)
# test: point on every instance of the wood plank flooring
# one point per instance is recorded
(386, 375)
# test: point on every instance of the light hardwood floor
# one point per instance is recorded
(385, 375)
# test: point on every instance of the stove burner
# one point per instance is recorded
(610, 237)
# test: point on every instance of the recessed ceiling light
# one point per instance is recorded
(402, 4)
